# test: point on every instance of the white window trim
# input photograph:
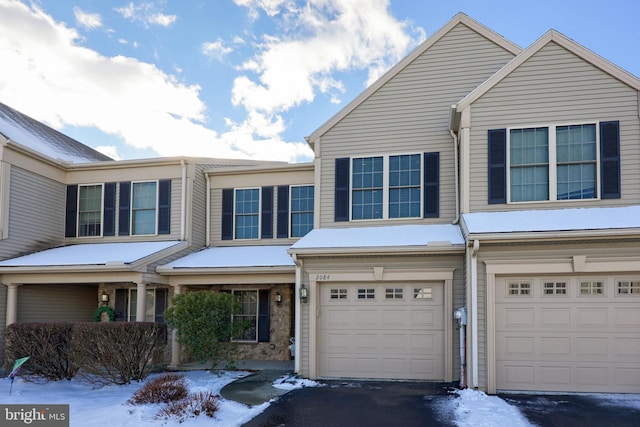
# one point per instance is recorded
(257, 291)
(155, 233)
(385, 187)
(130, 291)
(313, 211)
(101, 211)
(235, 192)
(553, 164)
(5, 188)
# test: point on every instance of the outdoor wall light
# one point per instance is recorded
(304, 296)
(104, 297)
(278, 298)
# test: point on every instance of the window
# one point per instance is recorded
(393, 293)
(90, 210)
(247, 213)
(248, 314)
(556, 162)
(591, 287)
(338, 294)
(390, 186)
(367, 193)
(519, 288)
(127, 302)
(422, 293)
(301, 210)
(628, 287)
(366, 293)
(554, 288)
(144, 207)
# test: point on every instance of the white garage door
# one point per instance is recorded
(577, 334)
(392, 331)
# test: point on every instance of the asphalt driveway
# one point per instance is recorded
(360, 403)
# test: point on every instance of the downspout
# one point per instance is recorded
(298, 315)
(474, 312)
(207, 210)
(455, 174)
(183, 201)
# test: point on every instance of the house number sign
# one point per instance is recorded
(322, 277)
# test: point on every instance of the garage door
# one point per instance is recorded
(568, 334)
(391, 331)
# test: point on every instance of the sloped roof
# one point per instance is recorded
(459, 18)
(40, 138)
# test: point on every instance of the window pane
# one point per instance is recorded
(90, 210)
(301, 210)
(143, 208)
(248, 314)
(367, 180)
(529, 157)
(576, 157)
(404, 186)
(247, 213)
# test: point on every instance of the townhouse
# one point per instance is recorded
(474, 215)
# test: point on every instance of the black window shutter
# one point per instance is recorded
(497, 166)
(431, 185)
(266, 231)
(227, 214)
(161, 305)
(109, 228)
(341, 196)
(123, 208)
(283, 211)
(610, 160)
(164, 206)
(72, 211)
(120, 305)
(264, 321)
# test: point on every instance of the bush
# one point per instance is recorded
(118, 352)
(48, 345)
(203, 324)
(196, 404)
(163, 389)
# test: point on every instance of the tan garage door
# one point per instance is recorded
(577, 334)
(392, 331)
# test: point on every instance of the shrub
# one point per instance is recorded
(163, 389)
(203, 324)
(118, 352)
(196, 404)
(49, 348)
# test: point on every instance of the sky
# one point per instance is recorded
(245, 78)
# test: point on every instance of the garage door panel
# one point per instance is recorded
(393, 338)
(566, 342)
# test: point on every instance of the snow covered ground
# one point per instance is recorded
(98, 406)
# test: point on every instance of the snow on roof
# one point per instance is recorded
(553, 220)
(40, 138)
(388, 236)
(90, 254)
(236, 256)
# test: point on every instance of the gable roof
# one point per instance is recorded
(43, 140)
(551, 36)
(458, 19)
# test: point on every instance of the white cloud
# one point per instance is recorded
(109, 150)
(59, 82)
(147, 14)
(216, 50)
(270, 7)
(90, 21)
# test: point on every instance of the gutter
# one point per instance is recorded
(455, 174)
(474, 313)
(183, 200)
(208, 210)
(298, 315)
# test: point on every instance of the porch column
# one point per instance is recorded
(175, 345)
(12, 303)
(141, 302)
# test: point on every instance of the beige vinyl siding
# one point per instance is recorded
(51, 303)
(410, 114)
(556, 251)
(555, 87)
(3, 319)
(455, 261)
(196, 208)
(36, 214)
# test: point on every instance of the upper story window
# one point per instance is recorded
(90, 210)
(144, 200)
(556, 162)
(301, 210)
(247, 213)
(390, 186)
